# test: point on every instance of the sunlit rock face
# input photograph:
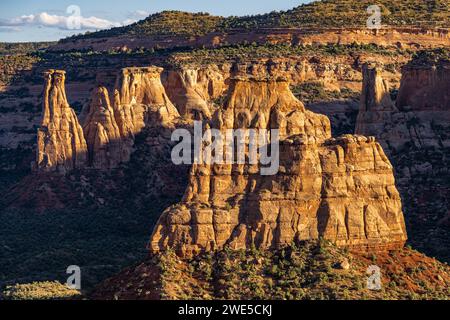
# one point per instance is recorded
(106, 138)
(341, 189)
(61, 145)
(193, 89)
(140, 97)
(102, 132)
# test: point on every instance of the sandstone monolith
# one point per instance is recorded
(102, 133)
(140, 100)
(340, 189)
(61, 145)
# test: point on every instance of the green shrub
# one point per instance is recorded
(39, 291)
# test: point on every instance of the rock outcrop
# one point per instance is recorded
(415, 136)
(109, 129)
(376, 106)
(422, 110)
(140, 99)
(425, 87)
(193, 89)
(340, 189)
(102, 133)
(61, 145)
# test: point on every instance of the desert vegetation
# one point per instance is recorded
(48, 290)
(245, 51)
(318, 14)
(303, 271)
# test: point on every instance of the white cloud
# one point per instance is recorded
(68, 22)
(129, 21)
(140, 14)
(135, 16)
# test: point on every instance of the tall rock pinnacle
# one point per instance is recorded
(108, 132)
(102, 132)
(376, 105)
(421, 113)
(61, 142)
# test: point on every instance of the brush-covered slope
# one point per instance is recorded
(310, 270)
(166, 23)
(326, 13)
(352, 13)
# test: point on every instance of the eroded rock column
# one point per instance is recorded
(61, 144)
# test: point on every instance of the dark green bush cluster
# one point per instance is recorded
(11, 66)
(255, 51)
(22, 47)
(431, 57)
(311, 92)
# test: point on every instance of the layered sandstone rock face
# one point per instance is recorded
(140, 98)
(109, 128)
(340, 189)
(61, 145)
(425, 87)
(102, 132)
(193, 89)
(191, 86)
(422, 111)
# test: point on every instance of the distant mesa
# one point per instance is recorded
(326, 22)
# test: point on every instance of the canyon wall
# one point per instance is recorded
(340, 189)
(425, 87)
(416, 136)
(20, 113)
(197, 89)
(421, 113)
(395, 36)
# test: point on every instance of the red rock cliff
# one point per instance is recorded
(340, 189)
(140, 100)
(61, 145)
(425, 87)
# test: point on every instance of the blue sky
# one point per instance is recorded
(45, 20)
